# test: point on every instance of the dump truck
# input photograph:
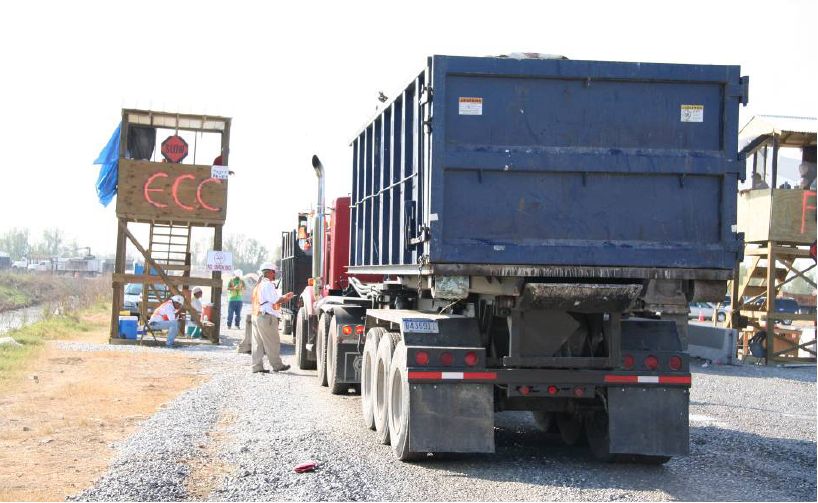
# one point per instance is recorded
(526, 235)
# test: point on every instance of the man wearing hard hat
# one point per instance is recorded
(266, 314)
(166, 316)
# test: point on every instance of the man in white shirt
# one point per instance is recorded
(266, 314)
(166, 316)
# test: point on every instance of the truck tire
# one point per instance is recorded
(321, 350)
(570, 427)
(720, 317)
(335, 387)
(386, 347)
(373, 337)
(301, 352)
(399, 404)
(544, 420)
(596, 431)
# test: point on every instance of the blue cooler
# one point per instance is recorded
(127, 327)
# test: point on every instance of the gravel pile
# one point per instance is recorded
(753, 437)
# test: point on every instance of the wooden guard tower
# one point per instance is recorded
(779, 226)
(172, 198)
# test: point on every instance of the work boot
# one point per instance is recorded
(262, 371)
(282, 369)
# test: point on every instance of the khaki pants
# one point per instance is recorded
(266, 341)
(246, 344)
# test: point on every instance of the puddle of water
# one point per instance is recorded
(17, 318)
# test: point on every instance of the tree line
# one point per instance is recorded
(18, 243)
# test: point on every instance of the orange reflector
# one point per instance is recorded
(359, 330)
(471, 359)
(347, 330)
(675, 362)
(553, 390)
(524, 390)
(579, 392)
(628, 361)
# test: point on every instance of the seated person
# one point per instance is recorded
(166, 316)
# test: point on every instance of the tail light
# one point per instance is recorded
(628, 361)
(553, 390)
(422, 358)
(359, 330)
(675, 362)
(446, 358)
(651, 362)
(579, 392)
(347, 330)
(470, 359)
(524, 390)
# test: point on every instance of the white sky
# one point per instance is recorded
(302, 77)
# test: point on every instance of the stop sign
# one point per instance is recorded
(174, 148)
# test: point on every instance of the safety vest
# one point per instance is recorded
(165, 317)
(255, 299)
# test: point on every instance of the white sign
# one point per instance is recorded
(219, 261)
(692, 113)
(219, 172)
(470, 106)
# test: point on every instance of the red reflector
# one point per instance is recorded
(446, 358)
(347, 330)
(628, 361)
(674, 379)
(621, 379)
(524, 390)
(432, 376)
(553, 390)
(652, 362)
(471, 359)
(422, 358)
(579, 391)
(675, 362)
(359, 330)
(482, 376)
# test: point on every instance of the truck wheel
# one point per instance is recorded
(335, 387)
(544, 419)
(570, 427)
(596, 431)
(381, 389)
(398, 405)
(301, 341)
(321, 350)
(373, 337)
(720, 317)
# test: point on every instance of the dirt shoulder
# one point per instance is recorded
(60, 416)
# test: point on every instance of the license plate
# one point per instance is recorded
(420, 326)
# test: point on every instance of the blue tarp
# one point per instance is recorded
(109, 172)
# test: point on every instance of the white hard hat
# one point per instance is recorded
(178, 299)
(197, 289)
(268, 266)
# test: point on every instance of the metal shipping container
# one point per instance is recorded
(497, 161)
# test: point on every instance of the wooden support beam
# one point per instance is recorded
(165, 278)
(172, 280)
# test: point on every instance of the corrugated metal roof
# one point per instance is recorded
(798, 130)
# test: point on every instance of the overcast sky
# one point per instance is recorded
(302, 77)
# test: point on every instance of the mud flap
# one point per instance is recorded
(451, 417)
(649, 421)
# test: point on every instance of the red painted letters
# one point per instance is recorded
(148, 190)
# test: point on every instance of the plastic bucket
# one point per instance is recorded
(127, 327)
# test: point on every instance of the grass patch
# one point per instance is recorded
(12, 298)
(53, 327)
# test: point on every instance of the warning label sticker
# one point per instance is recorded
(470, 106)
(692, 113)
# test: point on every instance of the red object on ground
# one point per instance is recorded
(207, 310)
(309, 466)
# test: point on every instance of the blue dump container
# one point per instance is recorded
(127, 327)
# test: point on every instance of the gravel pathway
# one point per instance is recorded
(753, 437)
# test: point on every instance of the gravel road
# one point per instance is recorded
(238, 436)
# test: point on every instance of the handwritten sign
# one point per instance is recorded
(219, 172)
(218, 260)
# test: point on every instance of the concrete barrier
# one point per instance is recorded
(712, 343)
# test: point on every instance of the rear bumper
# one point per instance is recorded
(548, 376)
